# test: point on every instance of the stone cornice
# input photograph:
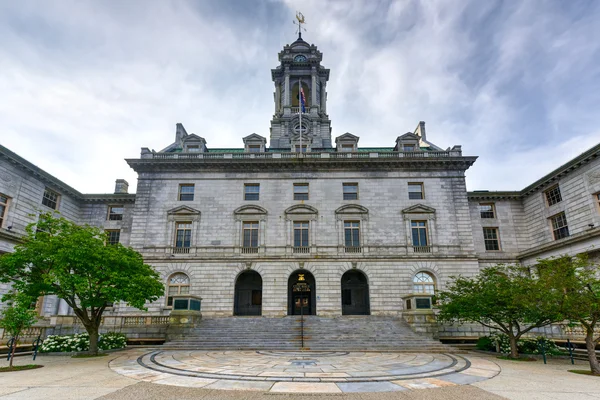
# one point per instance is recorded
(486, 195)
(562, 243)
(39, 173)
(109, 198)
(11, 236)
(301, 164)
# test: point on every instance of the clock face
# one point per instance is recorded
(300, 58)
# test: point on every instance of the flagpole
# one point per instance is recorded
(300, 109)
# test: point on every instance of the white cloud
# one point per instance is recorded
(86, 84)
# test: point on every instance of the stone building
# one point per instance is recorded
(371, 230)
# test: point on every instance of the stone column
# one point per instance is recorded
(287, 88)
(323, 96)
(277, 97)
(313, 89)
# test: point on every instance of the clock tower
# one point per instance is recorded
(300, 64)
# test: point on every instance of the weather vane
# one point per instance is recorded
(300, 21)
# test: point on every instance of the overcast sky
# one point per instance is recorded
(86, 84)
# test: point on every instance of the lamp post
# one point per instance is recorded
(301, 287)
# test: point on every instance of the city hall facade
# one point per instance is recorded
(365, 228)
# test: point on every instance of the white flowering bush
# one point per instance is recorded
(81, 342)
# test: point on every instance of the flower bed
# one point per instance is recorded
(525, 345)
(81, 342)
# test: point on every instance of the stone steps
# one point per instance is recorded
(361, 333)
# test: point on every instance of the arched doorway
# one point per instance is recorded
(248, 294)
(302, 302)
(355, 293)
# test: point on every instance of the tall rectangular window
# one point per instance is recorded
(251, 191)
(487, 210)
(301, 234)
(491, 239)
(352, 233)
(3, 208)
(186, 192)
(250, 234)
(597, 197)
(183, 235)
(553, 195)
(50, 199)
(300, 191)
(419, 233)
(415, 191)
(560, 228)
(113, 236)
(350, 191)
(115, 213)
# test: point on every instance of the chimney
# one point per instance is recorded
(121, 186)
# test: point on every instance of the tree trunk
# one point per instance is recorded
(12, 352)
(514, 350)
(590, 345)
(93, 341)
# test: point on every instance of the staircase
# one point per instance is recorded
(347, 333)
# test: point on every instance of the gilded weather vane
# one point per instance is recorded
(300, 21)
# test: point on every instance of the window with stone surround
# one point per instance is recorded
(560, 228)
(50, 199)
(183, 236)
(254, 148)
(553, 195)
(352, 234)
(251, 191)
(300, 191)
(419, 234)
(3, 208)
(347, 148)
(301, 234)
(193, 148)
(178, 283)
(415, 191)
(408, 147)
(597, 200)
(186, 192)
(491, 238)
(423, 282)
(350, 191)
(115, 213)
(487, 210)
(250, 234)
(113, 236)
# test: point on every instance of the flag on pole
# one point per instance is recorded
(302, 100)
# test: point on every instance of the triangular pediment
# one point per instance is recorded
(418, 209)
(193, 138)
(250, 210)
(254, 138)
(347, 137)
(352, 209)
(408, 136)
(301, 209)
(183, 210)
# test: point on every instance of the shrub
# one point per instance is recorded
(81, 342)
(485, 343)
(525, 345)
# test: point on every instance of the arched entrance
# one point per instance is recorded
(248, 294)
(302, 302)
(355, 293)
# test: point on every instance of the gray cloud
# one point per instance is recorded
(86, 84)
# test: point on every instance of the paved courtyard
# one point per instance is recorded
(155, 374)
(304, 372)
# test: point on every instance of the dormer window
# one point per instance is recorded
(254, 148)
(347, 147)
(408, 147)
(346, 143)
(193, 148)
(254, 143)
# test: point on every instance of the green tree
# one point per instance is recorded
(579, 280)
(75, 263)
(503, 297)
(17, 317)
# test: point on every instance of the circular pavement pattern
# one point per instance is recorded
(298, 372)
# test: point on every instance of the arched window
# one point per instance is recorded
(179, 283)
(423, 283)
